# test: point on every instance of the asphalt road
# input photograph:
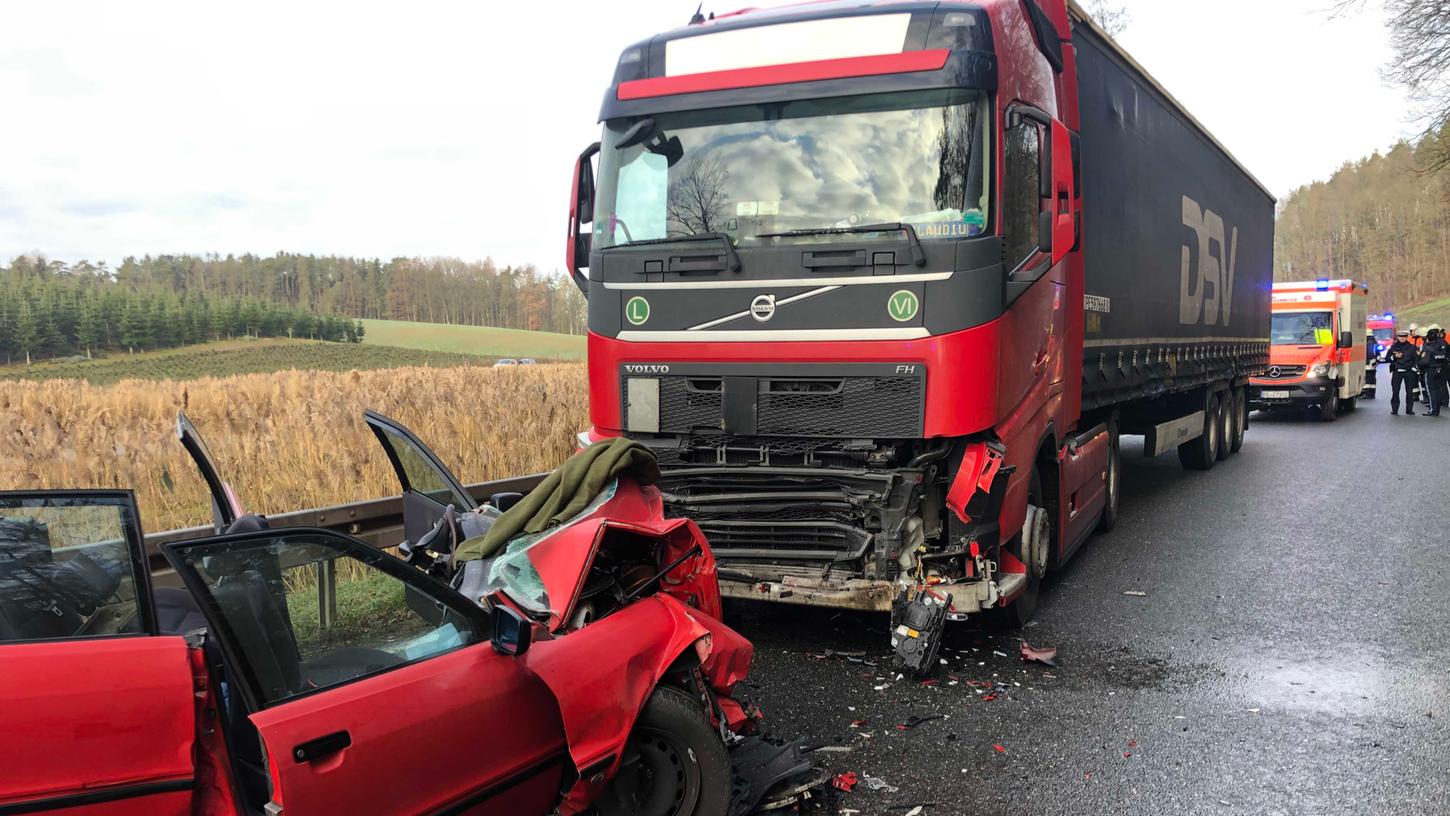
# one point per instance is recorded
(1289, 655)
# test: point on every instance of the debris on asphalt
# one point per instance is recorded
(859, 723)
(876, 783)
(1032, 654)
(913, 721)
(999, 749)
(845, 781)
(1135, 593)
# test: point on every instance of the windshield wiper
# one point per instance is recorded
(918, 255)
(723, 238)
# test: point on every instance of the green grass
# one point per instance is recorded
(1434, 311)
(235, 357)
(483, 340)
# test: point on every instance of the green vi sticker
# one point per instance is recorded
(636, 310)
(902, 305)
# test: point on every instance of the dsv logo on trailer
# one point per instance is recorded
(1205, 295)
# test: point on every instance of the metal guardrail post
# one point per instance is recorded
(326, 593)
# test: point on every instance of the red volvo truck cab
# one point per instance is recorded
(1318, 354)
(881, 284)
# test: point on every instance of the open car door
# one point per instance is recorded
(225, 507)
(428, 487)
(96, 708)
(364, 700)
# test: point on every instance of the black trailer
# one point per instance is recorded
(1177, 238)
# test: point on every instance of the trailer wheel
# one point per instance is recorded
(1241, 415)
(1201, 453)
(1227, 419)
(1112, 478)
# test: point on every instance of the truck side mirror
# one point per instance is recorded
(1346, 340)
(581, 211)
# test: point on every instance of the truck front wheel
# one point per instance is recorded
(1111, 480)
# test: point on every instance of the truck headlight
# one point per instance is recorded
(1321, 370)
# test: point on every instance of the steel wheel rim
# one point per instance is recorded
(670, 774)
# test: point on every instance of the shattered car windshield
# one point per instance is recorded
(514, 572)
(919, 158)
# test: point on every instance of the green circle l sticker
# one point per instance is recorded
(902, 305)
(636, 310)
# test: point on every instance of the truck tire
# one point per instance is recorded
(1227, 419)
(1329, 409)
(1201, 453)
(1241, 427)
(674, 763)
(1112, 480)
(1019, 612)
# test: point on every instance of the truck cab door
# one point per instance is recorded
(96, 708)
(428, 487)
(362, 703)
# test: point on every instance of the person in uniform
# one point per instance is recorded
(1402, 357)
(1434, 361)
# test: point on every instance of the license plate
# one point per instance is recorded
(1274, 394)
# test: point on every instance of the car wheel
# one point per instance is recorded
(674, 763)
(1111, 479)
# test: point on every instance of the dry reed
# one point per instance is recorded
(288, 440)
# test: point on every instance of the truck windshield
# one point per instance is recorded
(919, 158)
(1302, 328)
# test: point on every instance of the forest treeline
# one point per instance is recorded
(434, 290)
(51, 310)
(1381, 219)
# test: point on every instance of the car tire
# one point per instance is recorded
(1350, 404)
(1202, 452)
(1112, 480)
(1240, 398)
(675, 763)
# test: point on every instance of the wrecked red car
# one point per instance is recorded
(302, 671)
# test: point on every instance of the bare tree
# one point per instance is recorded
(697, 197)
(1113, 17)
(1420, 36)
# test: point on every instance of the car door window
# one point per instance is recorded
(417, 468)
(71, 566)
(303, 610)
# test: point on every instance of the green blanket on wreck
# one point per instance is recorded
(565, 493)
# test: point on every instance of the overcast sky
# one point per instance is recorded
(430, 128)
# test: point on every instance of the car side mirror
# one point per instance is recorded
(1346, 339)
(1044, 231)
(512, 632)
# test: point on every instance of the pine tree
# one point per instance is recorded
(88, 325)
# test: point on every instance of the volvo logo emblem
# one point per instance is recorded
(762, 308)
(1274, 372)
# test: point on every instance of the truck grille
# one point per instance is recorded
(829, 407)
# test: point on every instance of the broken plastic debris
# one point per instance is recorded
(876, 783)
(999, 749)
(845, 781)
(913, 721)
(1135, 593)
(1032, 654)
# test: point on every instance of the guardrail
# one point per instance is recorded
(378, 522)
